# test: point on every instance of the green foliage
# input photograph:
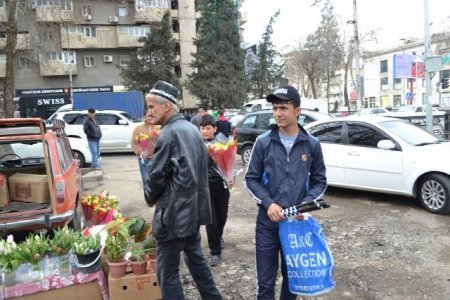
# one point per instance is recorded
(116, 243)
(137, 252)
(218, 79)
(268, 72)
(156, 60)
(62, 241)
(33, 249)
(8, 260)
(86, 244)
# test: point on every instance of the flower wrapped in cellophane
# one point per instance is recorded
(147, 140)
(223, 153)
(100, 208)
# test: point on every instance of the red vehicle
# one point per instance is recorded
(40, 180)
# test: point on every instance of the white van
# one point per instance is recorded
(250, 106)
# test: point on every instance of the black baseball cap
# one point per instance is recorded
(91, 110)
(286, 92)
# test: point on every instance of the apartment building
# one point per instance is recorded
(81, 44)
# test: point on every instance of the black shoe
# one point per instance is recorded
(222, 243)
(215, 260)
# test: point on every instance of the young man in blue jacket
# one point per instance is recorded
(286, 168)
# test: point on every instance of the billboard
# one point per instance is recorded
(408, 66)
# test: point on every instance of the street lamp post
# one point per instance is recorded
(356, 37)
(427, 73)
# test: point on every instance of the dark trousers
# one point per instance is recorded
(220, 197)
(168, 258)
(268, 250)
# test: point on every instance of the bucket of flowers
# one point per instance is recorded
(60, 245)
(31, 253)
(88, 251)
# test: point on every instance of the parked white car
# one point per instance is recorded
(386, 155)
(117, 127)
(81, 151)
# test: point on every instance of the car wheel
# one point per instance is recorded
(434, 193)
(78, 221)
(246, 154)
(78, 156)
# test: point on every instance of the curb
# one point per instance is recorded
(91, 175)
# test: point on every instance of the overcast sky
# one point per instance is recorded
(391, 19)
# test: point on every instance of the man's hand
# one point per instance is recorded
(274, 212)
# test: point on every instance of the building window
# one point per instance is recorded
(24, 63)
(47, 36)
(89, 61)
(383, 66)
(2, 3)
(86, 10)
(63, 4)
(397, 83)
(134, 30)
(122, 11)
(397, 100)
(384, 84)
(88, 31)
(124, 60)
(2, 57)
(164, 4)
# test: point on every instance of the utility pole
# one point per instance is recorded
(71, 60)
(356, 40)
(428, 91)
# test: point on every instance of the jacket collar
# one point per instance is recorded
(302, 133)
(173, 118)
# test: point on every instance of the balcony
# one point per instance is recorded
(53, 14)
(148, 15)
(2, 69)
(56, 67)
(23, 41)
(127, 36)
(83, 37)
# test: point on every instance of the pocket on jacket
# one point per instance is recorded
(160, 229)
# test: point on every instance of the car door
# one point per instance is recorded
(330, 137)
(115, 133)
(365, 165)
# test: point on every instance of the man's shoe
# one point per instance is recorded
(222, 243)
(215, 260)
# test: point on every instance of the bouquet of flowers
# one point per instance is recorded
(8, 261)
(100, 208)
(223, 152)
(145, 140)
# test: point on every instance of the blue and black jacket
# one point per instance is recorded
(274, 177)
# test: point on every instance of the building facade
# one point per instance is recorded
(79, 44)
(382, 89)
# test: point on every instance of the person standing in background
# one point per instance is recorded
(178, 187)
(219, 194)
(143, 142)
(223, 125)
(93, 133)
(198, 116)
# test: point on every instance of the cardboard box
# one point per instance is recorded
(29, 188)
(85, 291)
(142, 287)
(4, 193)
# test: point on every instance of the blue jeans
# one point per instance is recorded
(94, 147)
(144, 165)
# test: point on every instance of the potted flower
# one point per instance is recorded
(8, 260)
(149, 247)
(87, 250)
(116, 246)
(138, 259)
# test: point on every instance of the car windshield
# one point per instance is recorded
(245, 109)
(23, 153)
(131, 118)
(411, 134)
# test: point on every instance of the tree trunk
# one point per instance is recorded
(10, 51)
